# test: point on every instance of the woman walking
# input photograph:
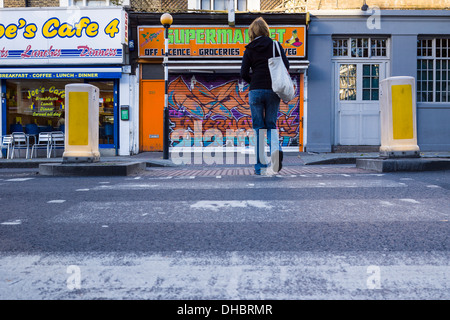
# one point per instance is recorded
(264, 103)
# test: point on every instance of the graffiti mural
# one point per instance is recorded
(220, 102)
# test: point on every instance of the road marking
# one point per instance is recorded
(433, 186)
(12, 222)
(56, 201)
(132, 186)
(410, 200)
(216, 205)
(19, 179)
(82, 190)
(178, 183)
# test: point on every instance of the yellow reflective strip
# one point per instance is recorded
(78, 118)
(402, 112)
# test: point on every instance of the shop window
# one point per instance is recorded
(360, 47)
(340, 47)
(240, 5)
(433, 70)
(371, 76)
(93, 3)
(35, 102)
(90, 3)
(106, 111)
(378, 47)
(347, 82)
(43, 103)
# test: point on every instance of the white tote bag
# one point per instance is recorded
(281, 80)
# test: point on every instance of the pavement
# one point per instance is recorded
(125, 165)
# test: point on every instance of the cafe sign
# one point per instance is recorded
(214, 42)
(62, 36)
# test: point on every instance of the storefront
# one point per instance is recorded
(206, 93)
(351, 51)
(42, 50)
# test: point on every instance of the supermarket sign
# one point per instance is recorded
(62, 36)
(213, 41)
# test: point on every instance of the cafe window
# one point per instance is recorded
(106, 111)
(42, 103)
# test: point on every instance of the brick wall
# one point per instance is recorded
(43, 3)
(159, 5)
(382, 4)
(13, 3)
(31, 3)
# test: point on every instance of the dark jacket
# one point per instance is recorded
(255, 58)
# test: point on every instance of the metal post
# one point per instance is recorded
(166, 94)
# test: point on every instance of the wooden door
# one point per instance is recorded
(151, 115)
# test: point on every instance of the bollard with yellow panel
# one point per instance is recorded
(82, 113)
(398, 118)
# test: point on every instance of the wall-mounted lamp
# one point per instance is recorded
(364, 6)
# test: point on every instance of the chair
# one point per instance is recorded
(32, 130)
(7, 143)
(57, 141)
(19, 142)
(46, 129)
(44, 142)
(109, 131)
(16, 127)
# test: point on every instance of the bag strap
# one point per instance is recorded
(278, 48)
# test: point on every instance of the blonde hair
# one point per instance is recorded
(257, 28)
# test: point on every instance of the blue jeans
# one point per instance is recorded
(264, 106)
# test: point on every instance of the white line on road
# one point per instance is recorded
(11, 222)
(19, 179)
(182, 275)
(216, 205)
(410, 200)
(56, 201)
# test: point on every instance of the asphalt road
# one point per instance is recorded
(160, 235)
